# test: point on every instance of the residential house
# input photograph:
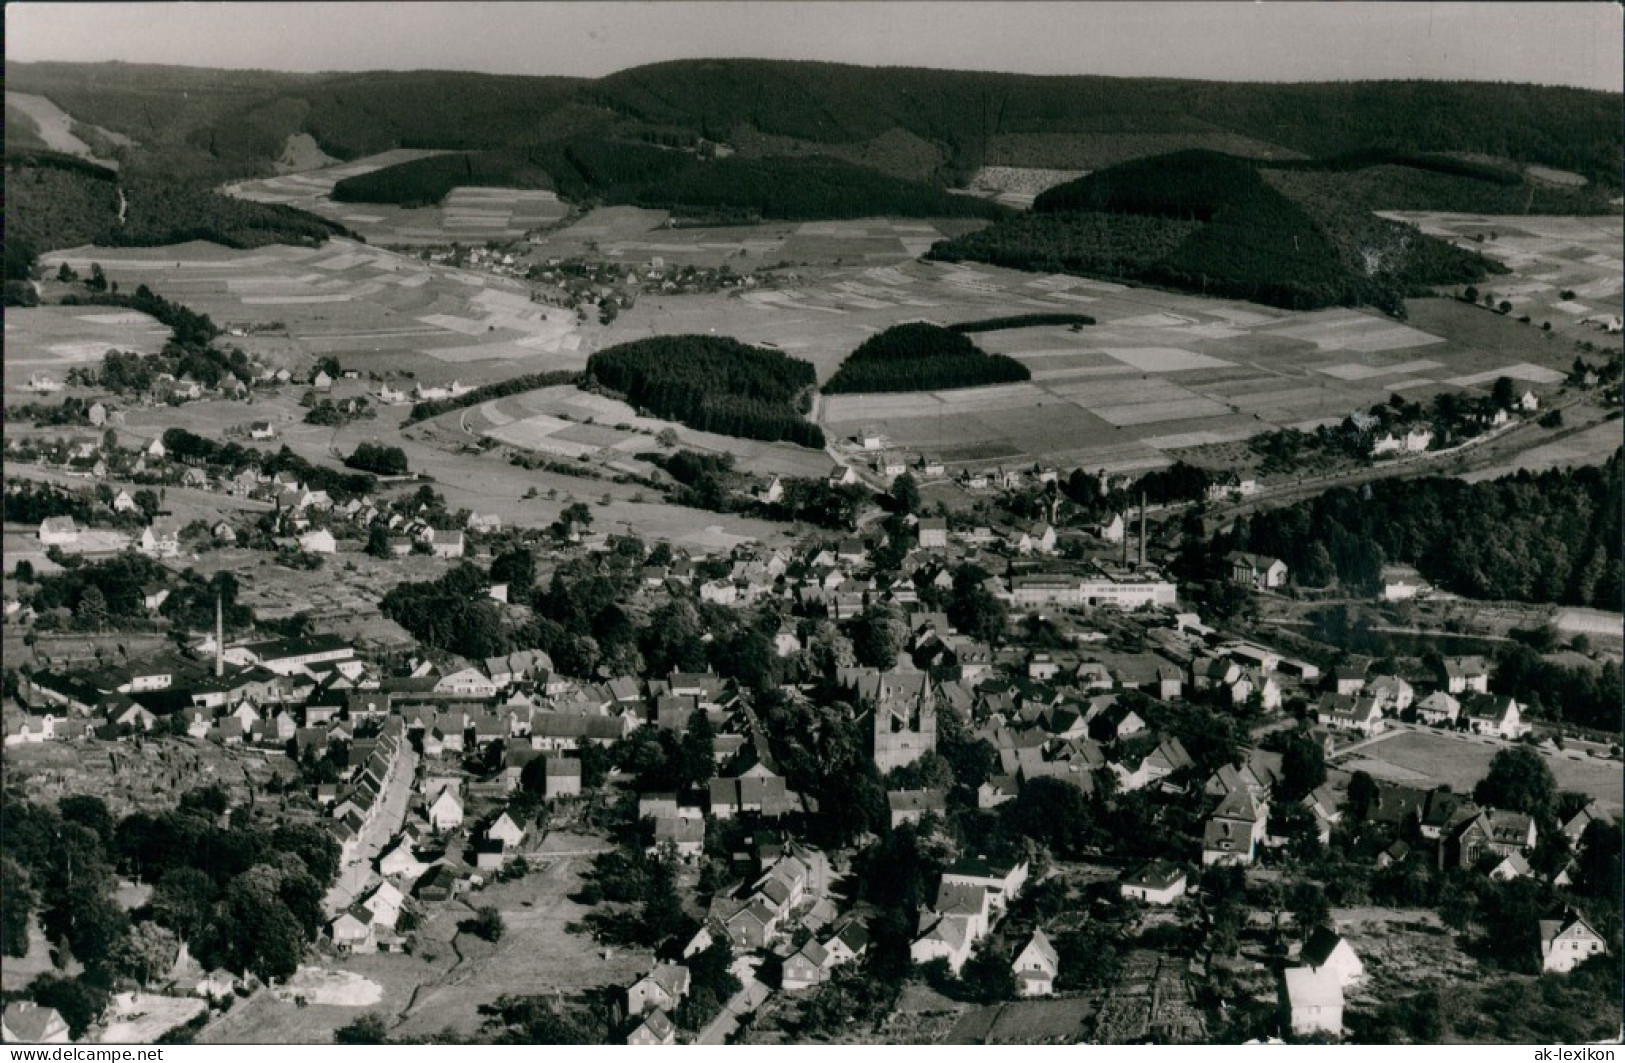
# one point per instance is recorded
(1311, 1001)
(655, 1028)
(1494, 714)
(58, 531)
(664, 987)
(1462, 675)
(446, 812)
(28, 1023)
(1158, 882)
(1234, 830)
(1036, 966)
(1566, 943)
(1257, 571)
(1327, 950)
(806, 968)
(933, 533)
(1438, 709)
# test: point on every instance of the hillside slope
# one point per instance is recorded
(209, 121)
(1213, 224)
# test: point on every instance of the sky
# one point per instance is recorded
(1545, 43)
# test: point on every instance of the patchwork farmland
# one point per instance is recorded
(371, 308)
(470, 215)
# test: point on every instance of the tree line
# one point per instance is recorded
(1532, 537)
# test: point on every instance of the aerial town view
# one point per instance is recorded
(997, 524)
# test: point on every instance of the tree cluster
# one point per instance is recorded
(713, 384)
(918, 356)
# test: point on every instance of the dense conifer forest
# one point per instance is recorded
(56, 201)
(1547, 537)
(713, 384)
(918, 356)
(1210, 223)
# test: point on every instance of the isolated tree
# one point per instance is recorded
(17, 902)
(378, 542)
(1362, 796)
(148, 952)
(516, 568)
(905, 494)
(1502, 393)
(369, 1029)
(92, 609)
(1519, 780)
(65, 274)
(97, 281)
(1303, 768)
(487, 924)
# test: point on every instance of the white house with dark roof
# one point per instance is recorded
(1036, 966)
(1567, 942)
(1311, 1001)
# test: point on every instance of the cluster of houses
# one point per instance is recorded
(1367, 705)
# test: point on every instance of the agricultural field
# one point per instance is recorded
(1548, 256)
(1585, 447)
(53, 339)
(374, 310)
(1427, 758)
(567, 423)
(1159, 374)
(467, 215)
(638, 235)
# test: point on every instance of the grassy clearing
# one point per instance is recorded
(1462, 761)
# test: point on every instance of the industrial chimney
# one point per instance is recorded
(219, 633)
(1142, 529)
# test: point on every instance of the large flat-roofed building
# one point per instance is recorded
(1097, 586)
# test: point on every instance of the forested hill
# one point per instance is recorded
(919, 356)
(714, 384)
(1552, 537)
(223, 124)
(56, 201)
(1211, 223)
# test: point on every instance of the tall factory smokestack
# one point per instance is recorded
(1142, 529)
(1125, 538)
(219, 633)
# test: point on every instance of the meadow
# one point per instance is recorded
(1428, 758)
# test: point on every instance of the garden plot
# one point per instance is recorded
(141, 1018)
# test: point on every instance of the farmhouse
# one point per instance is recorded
(1159, 882)
(1311, 1001)
(1036, 966)
(1326, 950)
(58, 531)
(1567, 942)
(25, 1022)
(1257, 571)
